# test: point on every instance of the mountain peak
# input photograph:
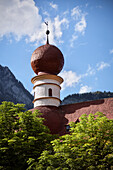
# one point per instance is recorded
(13, 90)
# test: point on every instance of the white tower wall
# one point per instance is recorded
(47, 90)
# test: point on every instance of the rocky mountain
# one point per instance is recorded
(12, 90)
(76, 98)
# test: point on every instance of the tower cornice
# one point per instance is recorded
(47, 76)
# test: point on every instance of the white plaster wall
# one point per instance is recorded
(40, 91)
(43, 91)
(47, 102)
(46, 81)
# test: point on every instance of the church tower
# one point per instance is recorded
(47, 61)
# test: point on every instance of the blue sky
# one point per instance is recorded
(81, 29)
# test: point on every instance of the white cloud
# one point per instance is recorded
(46, 13)
(38, 35)
(111, 51)
(70, 79)
(85, 89)
(66, 12)
(102, 65)
(19, 18)
(57, 26)
(54, 6)
(76, 12)
(90, 71)
(81, 25)
(74, 37)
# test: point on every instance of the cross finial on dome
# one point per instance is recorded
(47, 32)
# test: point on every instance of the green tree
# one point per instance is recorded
(89, 146)
(22, 136)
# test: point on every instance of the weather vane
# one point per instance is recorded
(47, 32)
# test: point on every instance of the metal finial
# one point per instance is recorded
(47, 32)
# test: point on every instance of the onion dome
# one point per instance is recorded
(47, 59)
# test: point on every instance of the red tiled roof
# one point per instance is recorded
(58, 117)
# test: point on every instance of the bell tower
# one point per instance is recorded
(47, 61)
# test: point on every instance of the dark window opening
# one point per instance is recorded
(67, 128)
(50, 92)
(77, 121)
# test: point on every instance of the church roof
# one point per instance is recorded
(56, 118)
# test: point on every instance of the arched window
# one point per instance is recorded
(50, 92)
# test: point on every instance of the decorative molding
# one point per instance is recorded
(47, 76)
(41, 84)
(47, 98)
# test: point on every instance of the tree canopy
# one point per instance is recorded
(25, 143)
(89, 146)
(22, 136)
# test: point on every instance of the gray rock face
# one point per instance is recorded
(12, 90)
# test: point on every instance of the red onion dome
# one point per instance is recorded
(47, 59)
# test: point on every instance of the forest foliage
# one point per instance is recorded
(22, 136)
(76, 98)
(26, 143)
